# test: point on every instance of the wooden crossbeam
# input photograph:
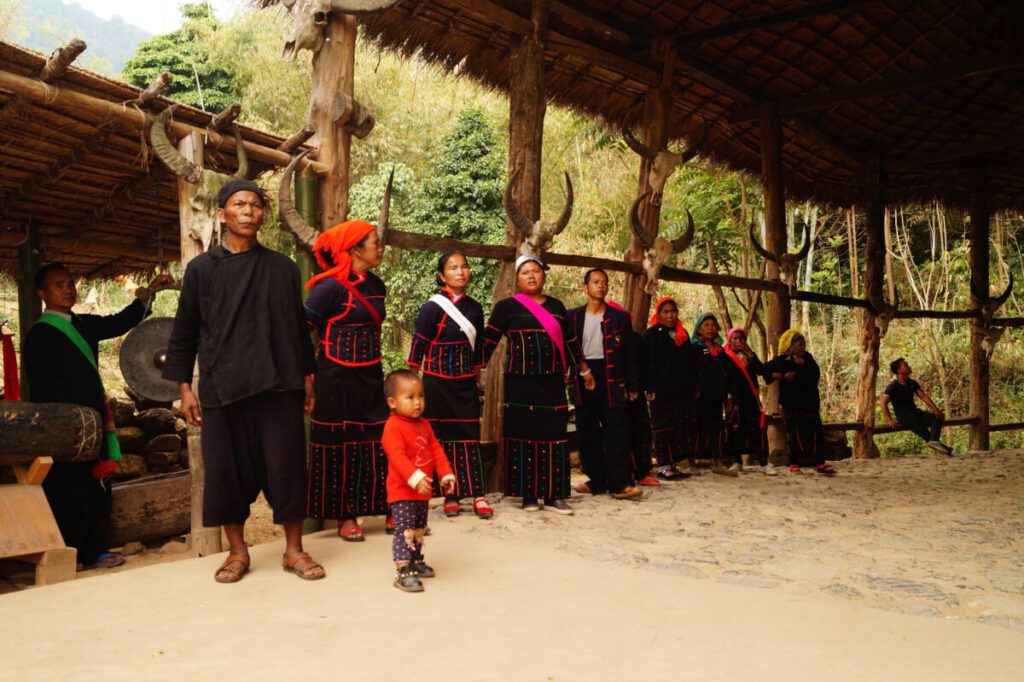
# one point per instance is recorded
(135, 249)
(226, 117)
(297, 140)
(55, 170)
(964, 68)
(58, 62)
(995, 144)
(120, 196)
(684, 38)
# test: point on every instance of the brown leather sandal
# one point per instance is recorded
(303, 566)
(231, 568)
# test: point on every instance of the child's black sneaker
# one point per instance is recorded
(407, 580)
(421, 569)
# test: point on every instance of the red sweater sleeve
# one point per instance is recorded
(393, 442)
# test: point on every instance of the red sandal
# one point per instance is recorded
(452, 508)
(482, 508)
(351, 534)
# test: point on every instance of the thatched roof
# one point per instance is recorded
(935, 85)
(87, 180)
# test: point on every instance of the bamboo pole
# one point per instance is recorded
(205, 541)
(777, 307)
(29, 305)
(40, 93)
(979, 400)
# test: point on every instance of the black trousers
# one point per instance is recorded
(255, 444)
(640, 437)
(81, 507)
(924, 424)
(604, 436)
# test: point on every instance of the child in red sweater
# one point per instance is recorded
(414, 454)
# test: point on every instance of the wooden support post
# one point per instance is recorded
(870, 339)
(980, 218)
(527, 107)
(333, 73)
(204, 540)
(777, 306)
(29, 305)
(657, 105)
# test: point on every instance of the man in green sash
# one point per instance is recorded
(60, 357)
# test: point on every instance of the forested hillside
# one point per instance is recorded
(42, 25)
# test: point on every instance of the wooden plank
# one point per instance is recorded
(152, 508)
(34, 473)
(54, 566)
(27, 525)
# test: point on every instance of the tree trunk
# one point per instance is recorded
(205, 540)
(980, 217)
(657, 106)
(67, 433)
(777, 305)
(527, 107)
(867, 368)
(29, 305)
(809, 268)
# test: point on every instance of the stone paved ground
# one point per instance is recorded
(923, 535)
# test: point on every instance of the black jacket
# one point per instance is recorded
(801, 394)
(621, 360)
(670, 370)
(242, 314)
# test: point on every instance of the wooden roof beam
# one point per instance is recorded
(730, 28)
(55, 170)
(41, 94)
(57, 64)
(995, 144)
(882, 86)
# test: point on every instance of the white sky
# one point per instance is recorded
(154, 16)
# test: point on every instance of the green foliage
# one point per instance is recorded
(459, 198)
(198, 80)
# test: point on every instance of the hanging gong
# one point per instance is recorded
(143, 353)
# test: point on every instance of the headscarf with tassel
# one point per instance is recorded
(331, 250)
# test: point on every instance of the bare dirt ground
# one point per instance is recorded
(927, 536)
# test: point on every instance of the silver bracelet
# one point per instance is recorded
(583, 374)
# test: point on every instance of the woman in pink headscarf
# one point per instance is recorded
(746, 421)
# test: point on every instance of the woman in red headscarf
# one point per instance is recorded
(671, 388)
(347, 465)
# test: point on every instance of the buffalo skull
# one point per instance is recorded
(663, 162)
(201, 222)
(311, 17)
(657, 249)
(987, 305)
(304, 234)
(538, 235)
(789, 263)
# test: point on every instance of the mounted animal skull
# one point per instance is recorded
(657, 249)
(663, 162)
(538, 234)
(885, 312)
(303, 233)
(789, 263)
(311, 17)
(988, 305)
(201, 222)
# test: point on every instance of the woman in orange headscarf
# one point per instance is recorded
(671, 388)
(347, 466)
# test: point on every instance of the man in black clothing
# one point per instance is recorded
(241, 313)
(901, 392)
(58, 372)
(602, 415)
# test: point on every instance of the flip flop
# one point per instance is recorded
(106, 560)
(234, 574)
(303, 566)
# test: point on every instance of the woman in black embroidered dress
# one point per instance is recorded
(536, 411)
(450, 360)
(347, 465)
